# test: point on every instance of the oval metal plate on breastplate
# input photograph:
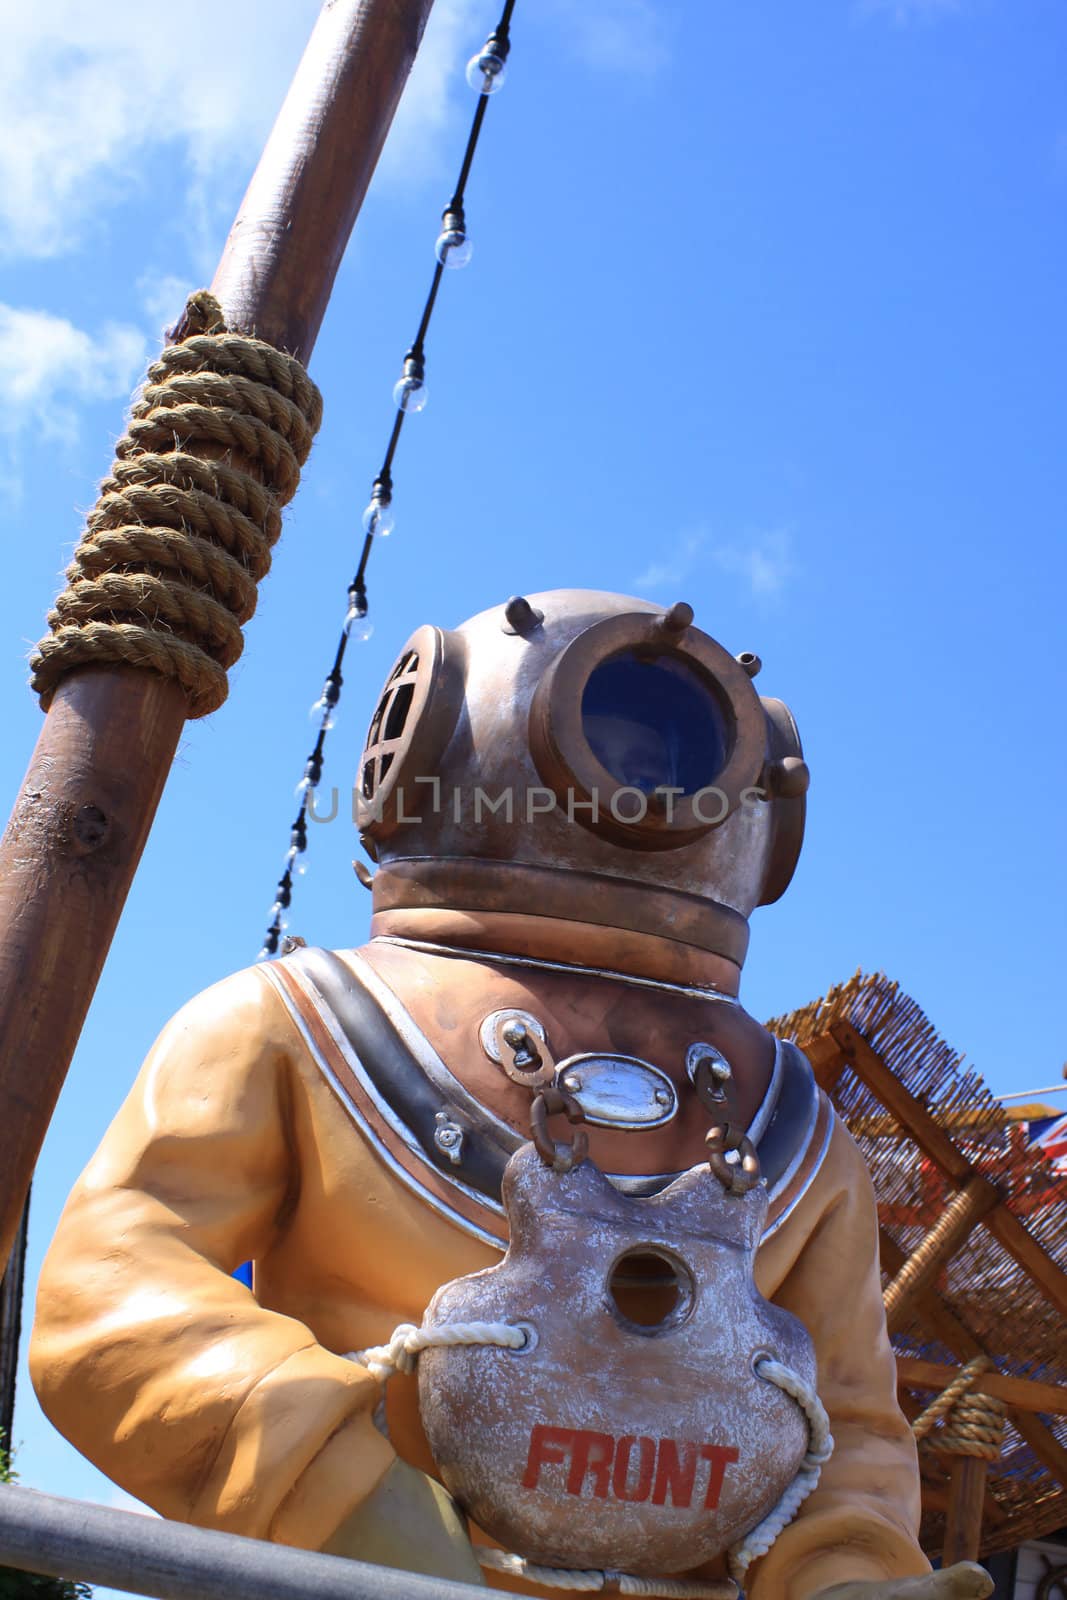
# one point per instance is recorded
(619, 1091)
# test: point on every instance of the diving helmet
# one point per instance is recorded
(582, 756)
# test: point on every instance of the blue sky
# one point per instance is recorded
(765, 312)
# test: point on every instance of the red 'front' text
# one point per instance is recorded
(634, 1468)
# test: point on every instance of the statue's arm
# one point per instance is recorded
(146, 1353)
(861, 1521)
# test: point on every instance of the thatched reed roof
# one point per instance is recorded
(946, 1156)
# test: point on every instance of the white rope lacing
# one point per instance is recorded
(402, 1352)
(594, 1581)
(820, 1448)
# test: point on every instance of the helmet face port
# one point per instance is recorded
(654, 723)
(648, 734)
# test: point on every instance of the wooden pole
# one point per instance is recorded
(11, 1328)
(83, 814)
(963, 1212)
(966, 1500)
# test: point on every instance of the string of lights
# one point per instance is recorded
(486, 72)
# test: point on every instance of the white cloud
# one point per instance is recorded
(614, 35)
(673, 568)
(436, 94)
(904, 11)
(162, 296)
(48, 367)
(764, 561)
(86, 89)
(88, 92)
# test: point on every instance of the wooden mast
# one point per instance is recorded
(82, 817)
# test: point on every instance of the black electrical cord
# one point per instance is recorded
(490, 59)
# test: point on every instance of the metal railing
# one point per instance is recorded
(173, 1561)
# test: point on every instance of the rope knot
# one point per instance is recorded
(972, 1423)
(165, 574)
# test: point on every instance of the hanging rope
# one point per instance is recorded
(485, 73)
(972, 1423)
(403, 1349)
(820, 1448)
(165, 574)
(595, 1581)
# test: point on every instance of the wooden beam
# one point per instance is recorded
(940, 1149)
(828, 1060)
(962, 1214)
(83, 814)
(1024, 1394)
(1043, 1443)
(1021, 1245)
(11, 1327)
(936, 1498)
(947, 1326)
(909, 1111)
(966, 1502)
(280, 260)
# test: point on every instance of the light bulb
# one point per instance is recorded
(358, 625)
(322, 712)
(378, 519)
(410, 392)
(486, 71)
(454, 248)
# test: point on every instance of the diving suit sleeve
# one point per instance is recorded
(862, 1520)
(151, 1358)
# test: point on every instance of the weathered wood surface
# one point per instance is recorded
(953, 1333)
(87, 803)
(10, 1327)
(963, 1521)
(280, 260)
(939, 1148)
(962, 1214)
(1025, 1393)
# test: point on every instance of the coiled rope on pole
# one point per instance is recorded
(973, 1423)
(165, 575)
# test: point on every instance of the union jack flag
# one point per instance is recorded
(1050, 1135)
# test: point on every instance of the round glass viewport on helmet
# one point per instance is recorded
(647, 730)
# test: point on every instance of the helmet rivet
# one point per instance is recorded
(788, 778)
(678, 618)
(521, 616)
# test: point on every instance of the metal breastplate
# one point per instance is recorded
(443, 1144)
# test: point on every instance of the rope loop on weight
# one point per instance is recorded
(407, 1343)
(759, 1539)
(165, 574)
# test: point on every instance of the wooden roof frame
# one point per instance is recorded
(868, 1032)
